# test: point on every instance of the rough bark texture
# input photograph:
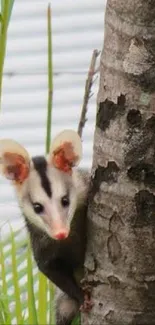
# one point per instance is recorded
(120, 258)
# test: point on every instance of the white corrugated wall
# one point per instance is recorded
(77, 28)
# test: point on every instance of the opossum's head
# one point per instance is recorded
(47, 188)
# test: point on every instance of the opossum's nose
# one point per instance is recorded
(61, 235)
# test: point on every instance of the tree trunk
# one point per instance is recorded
(120, 259)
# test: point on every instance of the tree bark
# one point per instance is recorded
(120, 261)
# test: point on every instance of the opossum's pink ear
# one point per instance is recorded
(14, 161)
(66, 150)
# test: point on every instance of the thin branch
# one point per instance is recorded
(87, 94)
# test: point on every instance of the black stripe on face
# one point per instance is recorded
(40, 164)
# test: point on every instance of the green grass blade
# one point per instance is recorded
(3, 313)
(77, 320)
(20, 256)
(10, 9)
(6, 9)
(4, 284)
(48, 131)
(19, 260)
(51, 304)
(7, 239)
(3, 271)
(2, 6)
(42, 300)
(9, 4)
(50, 82)
(18, 305)
(3, 36)
(32, 313)
(21, 274)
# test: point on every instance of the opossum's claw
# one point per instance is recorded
(87, 305)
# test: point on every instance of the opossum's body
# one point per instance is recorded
(60, 260)
(53, 199)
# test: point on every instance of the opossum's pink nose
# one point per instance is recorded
(61, 235)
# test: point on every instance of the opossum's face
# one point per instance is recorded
(48, 198)
(47, 194)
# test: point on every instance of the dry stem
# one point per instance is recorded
(87, 94)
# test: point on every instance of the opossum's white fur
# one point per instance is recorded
(67, 306)
(77, 183)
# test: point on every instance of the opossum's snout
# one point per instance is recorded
(59, 230)
(62, 234)
(56, 218)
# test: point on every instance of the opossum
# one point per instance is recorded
(52, 196)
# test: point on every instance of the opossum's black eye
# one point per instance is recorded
(65, 201)
(38, 208)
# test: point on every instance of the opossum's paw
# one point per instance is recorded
(87, 305)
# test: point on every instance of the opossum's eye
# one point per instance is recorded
(65, 201)
(38, 208)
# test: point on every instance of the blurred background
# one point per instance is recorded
(77, 28)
